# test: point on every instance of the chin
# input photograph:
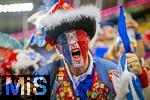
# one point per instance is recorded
(78, 65)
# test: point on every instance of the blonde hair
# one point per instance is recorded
(111, 53)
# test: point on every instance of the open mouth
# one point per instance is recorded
(76, 54)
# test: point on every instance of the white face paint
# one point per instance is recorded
(131, 34)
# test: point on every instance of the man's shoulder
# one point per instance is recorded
(104, 64)
(46, 70)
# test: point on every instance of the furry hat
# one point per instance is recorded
(85, 17)
(32, 19)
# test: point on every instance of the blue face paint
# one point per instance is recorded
(62, 40)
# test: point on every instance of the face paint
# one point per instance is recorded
(83, 41)
(75, 47)
(64, 47)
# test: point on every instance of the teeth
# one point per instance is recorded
(76, 50)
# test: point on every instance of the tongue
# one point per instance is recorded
(76, 56)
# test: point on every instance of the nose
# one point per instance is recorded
(73, 43)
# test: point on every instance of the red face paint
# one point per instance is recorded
(83, 42)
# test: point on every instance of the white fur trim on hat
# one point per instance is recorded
(50, 21)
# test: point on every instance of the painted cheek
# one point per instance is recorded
(83, 44)
(66, 52)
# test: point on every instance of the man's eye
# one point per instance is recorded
(72, 45)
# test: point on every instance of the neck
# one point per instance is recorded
(80, 70)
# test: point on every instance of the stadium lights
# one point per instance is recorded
(18, 7)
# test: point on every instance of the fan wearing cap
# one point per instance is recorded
(104, 39)
(108, 32)
(132, 30)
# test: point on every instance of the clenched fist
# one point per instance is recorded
(133, 63)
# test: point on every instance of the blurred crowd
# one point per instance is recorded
(108, 44)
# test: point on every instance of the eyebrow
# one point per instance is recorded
(72, 34)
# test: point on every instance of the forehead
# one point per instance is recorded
(76, 34)
(71, 34)
(107, 28)
(63, 38)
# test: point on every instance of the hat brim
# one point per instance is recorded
(85, 23)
